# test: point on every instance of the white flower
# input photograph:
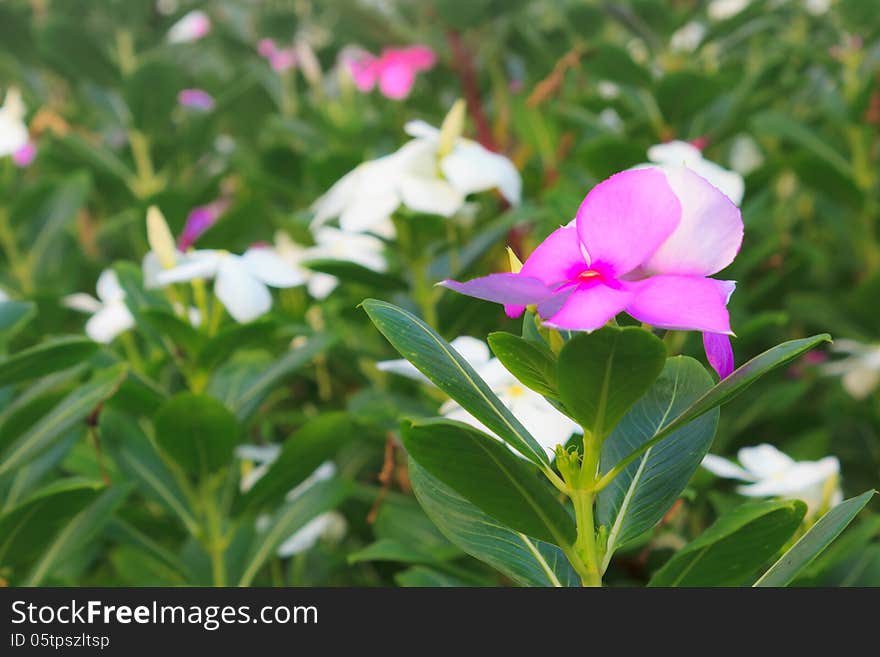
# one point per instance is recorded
(610, 119)
(817, 7)
(331, 244)
(330, 525)
(607, 90)
(548, 426)
(13, 131)
(771, 473)
(859, 371)
(110, 315)
(677, 153)
(688, 37)
(240, 281)
(722, 9)
(745, 155)
(432, 173)
(192, 27)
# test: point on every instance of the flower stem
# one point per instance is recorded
(423, 292)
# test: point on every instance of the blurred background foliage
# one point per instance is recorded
(570, 90)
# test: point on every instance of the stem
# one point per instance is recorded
(583, 509)
(19, 265)
(423, 292)
(146, 183)
(215, 543)
(464, 66)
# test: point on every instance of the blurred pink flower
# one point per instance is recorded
(196, 99)
(199, 220)
(394, 70)
(280, 59)
(192, 27)
(645, 241)
(25, 155)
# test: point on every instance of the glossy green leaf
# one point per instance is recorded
(312, 444)
(525, 560)
(78, 531)
(486, 473)
(729, 388)
(735, 546)
(73, 409)
(386, 549)
(50, 356)
(638, 497)
(812, 543)
(600, 375)
(437, 360)
(197, 432)
(531, 362)
(14, 315)
(322, 496)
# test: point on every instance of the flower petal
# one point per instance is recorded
(242, 294)
(683, 303)
(588, 308)
(719, 353)
(82, 302)
(710, 232)
(196, 264)
(723, 467)
(110, 321)
(429, 195)
(504, 288)
(764, 460)
(471, 168)
(558, 259)
(270, 268)
(396, 80)
(108, 287)
(624, 219)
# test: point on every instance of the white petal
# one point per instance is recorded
(547, 425)
(308, 535)
(323, 472)
(109, 322)
(745, 156)
(369, 211)
(730, 183)
(243, 295)
(192, 266)
(473, 350)
(496, 375)
(860, 382)
(108, 287)
(471, 168)
(84, 303)
(429, 195)
(320, 285)
(709, 234)
(258, 453)
(270, 268)
(333, 202)
(675, 153)
(401, 367)
(421, 130)
(722, 467)
(764, 460)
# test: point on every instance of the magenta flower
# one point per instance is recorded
(280, 59)
(25, 155)
(199, 220)
(196, 99)
(395, 70)
(644, 242)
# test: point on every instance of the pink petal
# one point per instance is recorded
(719, 353)
(283, 60)
(25, 155)
(624, 219)
(557, 259)
(396, 80)
(684, 303)
(588, 308)
(418, 58)
(503, 288)
(266, 48)
(710, 232)
(195, 99)
(364, 70)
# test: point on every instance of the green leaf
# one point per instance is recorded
(77, 532)
(422, 577)
(312, 444)
(437, 360)
(28, 527)
(227, 341)
(489, 475)
(531, 362)
(178, 330)
(244, 396)
(726, 390)
(523, 559)
(322, 496)
(734, 547)
(74, 408)
(814, 542)
(197, 432)
(638, 497)
(387, 549)
(53, 217)
(102, 159)
(50, 356)
(137, 458)
(602, 374)
(14, 315)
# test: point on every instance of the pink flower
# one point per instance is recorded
(199, 220)
(192, 27)
(395, 70)
(280, 59)
(644, 242)
(25, 155)
(196, 99)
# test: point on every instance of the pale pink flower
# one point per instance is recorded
(394, 70)
(192, 27)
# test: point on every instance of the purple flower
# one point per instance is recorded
(199, 220)
(196, 99)
(644, 242)
(25, 155)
